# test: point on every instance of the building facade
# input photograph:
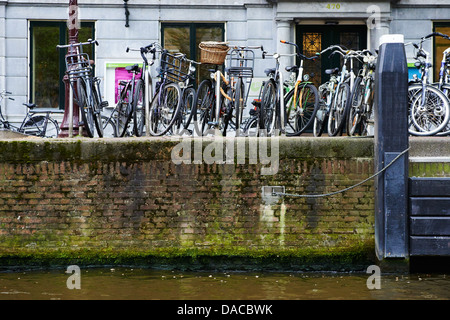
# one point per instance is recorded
(32, 68)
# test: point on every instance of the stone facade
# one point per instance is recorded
(251, 22)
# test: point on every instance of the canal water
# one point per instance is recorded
(126, 283)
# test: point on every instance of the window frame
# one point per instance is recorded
(193, 35)
(436, 61)
(63, 39)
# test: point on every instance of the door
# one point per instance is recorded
(315, 38)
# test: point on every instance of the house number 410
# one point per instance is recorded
(333, 6)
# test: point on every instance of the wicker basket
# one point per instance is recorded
(213, 52)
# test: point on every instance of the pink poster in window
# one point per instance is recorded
(120, 74)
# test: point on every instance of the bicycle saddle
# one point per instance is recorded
(332, 71)
(30, 105)
(292, 69)
(133, 68)
(270, 71)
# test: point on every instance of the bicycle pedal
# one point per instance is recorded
(104, 104)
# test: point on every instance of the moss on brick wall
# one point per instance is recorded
(126, 200)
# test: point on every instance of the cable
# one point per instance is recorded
(343, 190)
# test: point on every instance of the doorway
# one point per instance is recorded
(315, 38)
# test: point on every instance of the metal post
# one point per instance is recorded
(391, 139)
(70, 120)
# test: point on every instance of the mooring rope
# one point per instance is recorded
(343, 190)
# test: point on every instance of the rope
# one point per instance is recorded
(343, 190)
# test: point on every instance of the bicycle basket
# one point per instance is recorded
(213, 52)
(77, 65)
(241, 63)
(174, 67)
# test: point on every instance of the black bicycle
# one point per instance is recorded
(85, 86)
(37, 121)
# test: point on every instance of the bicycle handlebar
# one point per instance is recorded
(78, 44)
(151, 48)
(300, 55)
(436, 34)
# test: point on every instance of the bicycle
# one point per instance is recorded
(33, 123)
(79, 69)
(429, 108)
(218, 113)
(272, 98)
(339, 89)
(166, 103)
(444, 78)
(301, 102)
(360, 113)
(210, 108)
(135, 95)
(240, 71)
(188, 94)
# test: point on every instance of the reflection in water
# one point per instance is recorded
(143, 284)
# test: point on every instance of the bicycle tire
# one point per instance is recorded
(300, 118)
(337, 115)
(35, 126)
(267, 112)
(251, 127)
(87, 113)
(186, 111)
(446, 130)
(355, 112)
(227, 116)
(239, 105)
(109, 128)
(124, 111)
(97, 111)
(138, 108)
(204, 101)
(165, 109)
(433, 117)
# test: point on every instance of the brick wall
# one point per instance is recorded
(127, 196)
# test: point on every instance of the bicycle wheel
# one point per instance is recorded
(336, 118)
(203, 104)
(124, 111)
(138, 109)
(251, 127)
(97, 111)
(268, 104)
(446, 131)
(36, 126)
(109, 128)
(431, 116)
(239, 105)
(355, 111)
(227, 115)
(165, 109)
(321, 117)
(301, 112)
(186, 112)
(87, 113)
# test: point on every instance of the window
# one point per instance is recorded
(440, 44)
(185, 38)
(47, 62)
